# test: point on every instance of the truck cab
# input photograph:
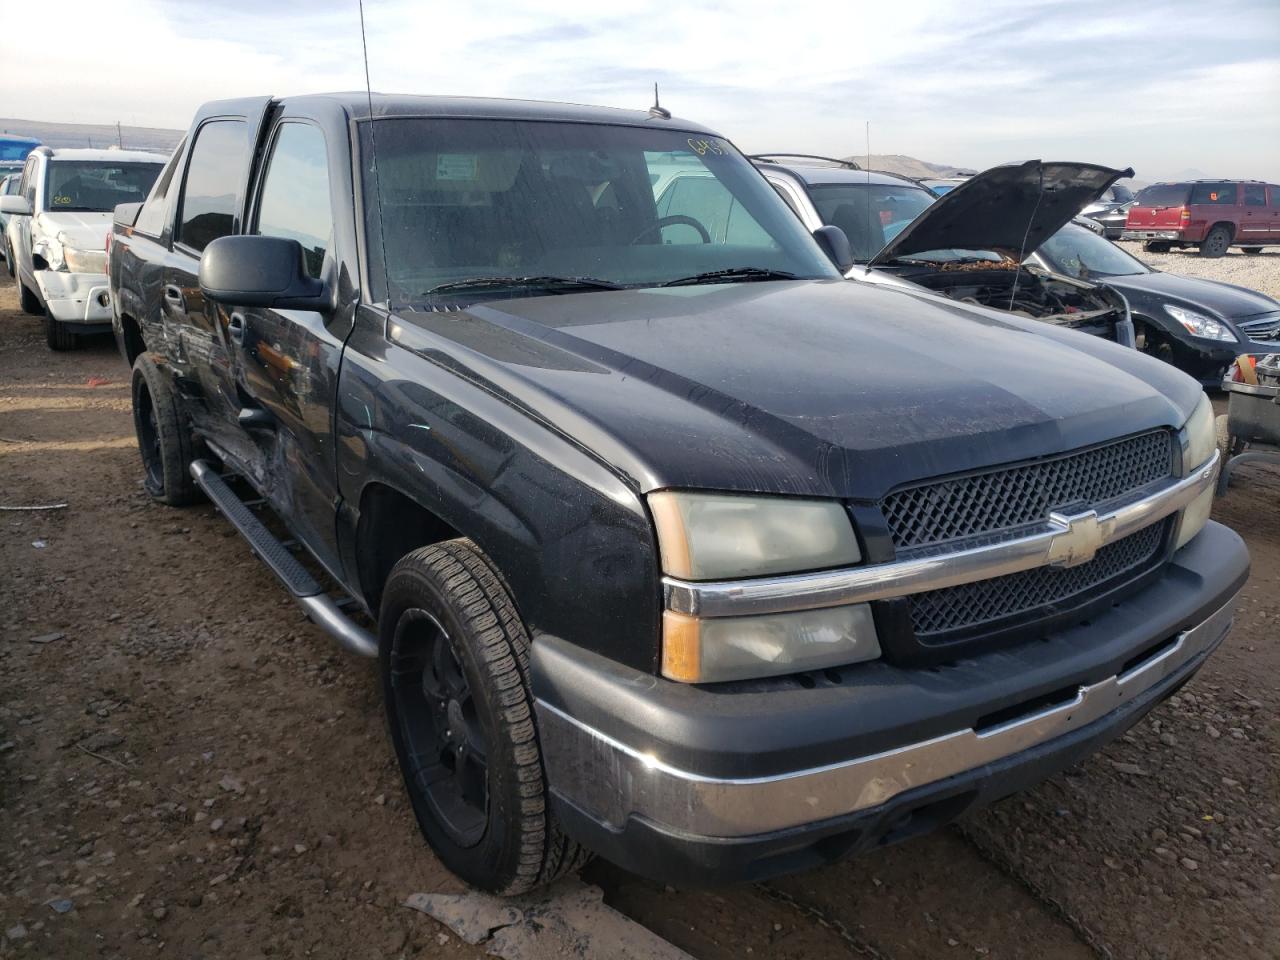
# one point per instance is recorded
(669, 543)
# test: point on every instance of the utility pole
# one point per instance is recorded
(119, 136)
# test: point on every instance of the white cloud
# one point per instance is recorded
(947, 82)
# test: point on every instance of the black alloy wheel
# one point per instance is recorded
(439, 726)
(165, 442)
(454, 658)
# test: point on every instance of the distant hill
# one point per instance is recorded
(910, 166)
(98, 135)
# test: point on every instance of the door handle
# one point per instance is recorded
(235, 326)
(173, 295)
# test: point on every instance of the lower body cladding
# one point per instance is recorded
(745, 781)
(82, 299)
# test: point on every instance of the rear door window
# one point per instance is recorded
(210, 195)
(151, 219)
(1214, 193)
(295, 194)
(1255, 195)
(1163, 195)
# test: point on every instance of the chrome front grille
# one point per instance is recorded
(1265, 327)
(1004, 502)
(1010, 497)
(973, 607)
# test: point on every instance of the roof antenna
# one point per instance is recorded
(373, 156)
(657, 110)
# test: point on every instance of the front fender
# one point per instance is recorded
(573, 541)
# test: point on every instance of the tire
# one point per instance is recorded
(8, 257)
(29, 302)
(164, 436)
(454, 658)
(1155, 246)
(1228, 446)
(1217, 242)
(58, 335)
(1252, 250)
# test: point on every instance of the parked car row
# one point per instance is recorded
(965, 246)
(55, 237)
(681, 548)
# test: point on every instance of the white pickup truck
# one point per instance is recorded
(55, 239)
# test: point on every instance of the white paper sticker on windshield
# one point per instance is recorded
(456, 166)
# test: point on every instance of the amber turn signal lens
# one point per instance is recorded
(681, 647)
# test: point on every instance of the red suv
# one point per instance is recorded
(1209, 214)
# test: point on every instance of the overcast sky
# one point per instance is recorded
(1165, 87)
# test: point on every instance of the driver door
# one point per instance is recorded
(287, 360)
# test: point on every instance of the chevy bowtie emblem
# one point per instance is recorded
(1079, 540)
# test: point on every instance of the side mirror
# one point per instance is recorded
(127, 214)
(16, 205)
(260, 272)
(835, 245)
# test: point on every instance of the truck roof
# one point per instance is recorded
(356, 103)
(109, 156)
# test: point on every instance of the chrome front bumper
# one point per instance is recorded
(611, 782)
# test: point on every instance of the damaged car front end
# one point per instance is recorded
(972, 246)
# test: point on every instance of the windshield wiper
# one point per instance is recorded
(733, 273)
(550, 284)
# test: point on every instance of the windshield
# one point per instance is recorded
(870, 214)
(91, 186)
(1077, 251)
(464, 199)
(1163, 195)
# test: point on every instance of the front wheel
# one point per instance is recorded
(29, 302)
(1216, 243)
(57, 334)
(455, 676)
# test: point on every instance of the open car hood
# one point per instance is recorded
(999, 208)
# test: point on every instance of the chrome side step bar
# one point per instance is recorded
(324, 612)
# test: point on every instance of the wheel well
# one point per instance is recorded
(134, 346)
(1231, 228)
(390, 526)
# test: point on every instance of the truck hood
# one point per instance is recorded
(83, 231)
(1002, 208)
(1224, 300)
(821, 388)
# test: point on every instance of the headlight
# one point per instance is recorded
(721, 536)
(1199, 325)
(1198, 443)
(85, 261)
(714, 536)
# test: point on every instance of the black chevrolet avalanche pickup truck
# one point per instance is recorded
(681, 549)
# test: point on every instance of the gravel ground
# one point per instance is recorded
(189, 769)
(1259, 272)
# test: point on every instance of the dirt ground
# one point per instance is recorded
(189, 769)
